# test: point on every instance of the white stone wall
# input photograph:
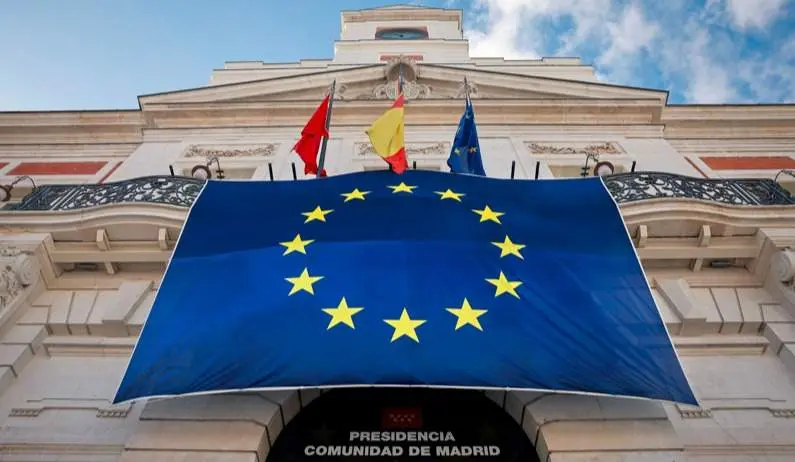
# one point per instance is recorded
(428, 146)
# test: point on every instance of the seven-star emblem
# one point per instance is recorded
(487, 214)
(503, 285)
(402, 187)
(303, 282)
(355, 194)
(296, 245)
(405, 326)
(450, 194)
(467, 315)
(509, 248)
(342, 314)
(317, 214)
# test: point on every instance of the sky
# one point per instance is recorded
(100, 54)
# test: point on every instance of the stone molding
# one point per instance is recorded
(207, 151)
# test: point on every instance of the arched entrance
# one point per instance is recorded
(402, 424)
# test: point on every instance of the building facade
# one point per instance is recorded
(704, 191)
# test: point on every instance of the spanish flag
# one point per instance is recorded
(386, 136)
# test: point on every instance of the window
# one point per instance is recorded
(402, 33)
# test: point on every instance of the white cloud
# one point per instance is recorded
(747, 14)
(697, 51)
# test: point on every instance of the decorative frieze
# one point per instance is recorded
(35, 409)
(25, 412)
(694, 412)
(434, 149)
(783, 413)
(113, 412)
(262, 150)
(574, 148)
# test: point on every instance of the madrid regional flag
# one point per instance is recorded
(425, 278)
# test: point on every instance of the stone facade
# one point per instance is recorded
(79, 265)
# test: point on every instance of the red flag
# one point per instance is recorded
(392, 418)
(311, 137)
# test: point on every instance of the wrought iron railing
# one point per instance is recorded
(638, 186)
(624, 187)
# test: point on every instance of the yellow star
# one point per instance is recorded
(317, 214)
(467, 315)
(341, 314)
(450, 195)
(402, 187)
(296, 245)
(510, 248)
(303, 282)
(503, 285)
(487, 214)
(355, 194)
(405, 326)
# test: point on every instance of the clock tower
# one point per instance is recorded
(414, 32)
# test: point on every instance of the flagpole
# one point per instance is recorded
(400, 75)
(322, 159)
(466, 89)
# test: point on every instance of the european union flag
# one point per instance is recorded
(465, 153)
(426, 278)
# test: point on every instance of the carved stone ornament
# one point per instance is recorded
(602, 148)
(263, 150)
(435, 149)
(460, 92)
(783, 265)
(339, 91)
(388, 90)
(18, 270)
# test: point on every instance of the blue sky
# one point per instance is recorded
(98, 54)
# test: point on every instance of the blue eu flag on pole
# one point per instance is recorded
(427, 279)
(465, 154)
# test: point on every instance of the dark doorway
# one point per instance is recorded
(404, 424)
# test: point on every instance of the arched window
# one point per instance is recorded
(401, 33)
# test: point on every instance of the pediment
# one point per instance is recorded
(427, 81)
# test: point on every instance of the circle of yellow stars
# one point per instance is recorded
(404, 325)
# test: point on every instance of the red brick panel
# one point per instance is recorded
(749, 162)
(57, 168)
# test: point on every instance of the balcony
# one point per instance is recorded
(624, 187)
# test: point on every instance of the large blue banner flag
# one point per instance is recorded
(427, 279)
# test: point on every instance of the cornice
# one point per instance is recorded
(402, 14)
(672, 210)
(572, 88)
(418, 112)
(725, 113)
(71, 127)
(264, 87)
